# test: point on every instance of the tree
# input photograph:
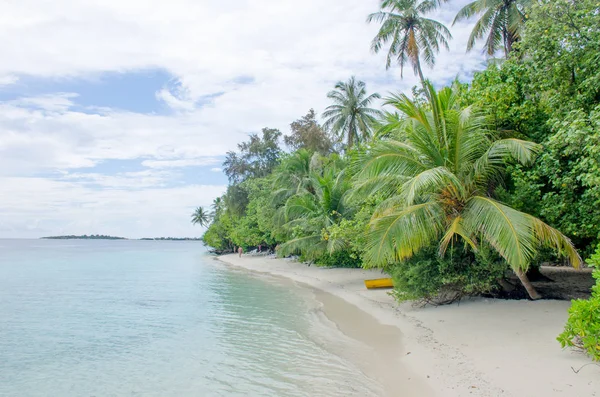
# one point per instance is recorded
(293, 175)
(306, 133)
(256, 158)
(351, 115)
(501, 21)
(441, 180)
(216, 207)
(562, 43)
(411, 36)
(317, 206)
(200, 217)
(561, 47)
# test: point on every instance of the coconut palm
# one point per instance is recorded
(216, 208)
(351, 115)
(200, 217)
(411, 36)
(440, 179)
(309, 212)
(500, 22)
(293, 175)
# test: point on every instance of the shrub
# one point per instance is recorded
(582, 330)
(428, 278)
(339, 259)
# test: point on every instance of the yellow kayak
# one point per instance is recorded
(379, 283)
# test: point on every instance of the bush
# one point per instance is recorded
(339, 259)
(428, 278)
(583, 326)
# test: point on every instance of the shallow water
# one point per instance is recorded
(157, 318)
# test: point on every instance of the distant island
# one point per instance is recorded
(172, 238)
(84, 237)
(104, 237)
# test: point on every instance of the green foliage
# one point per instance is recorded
(218, 234)
(583, 326)
(350, 233)
(551, 96)
(256, 158)
(316, 206)
(439, 180)
(307, 134)
(342, 258)
(569, 172)
(506, 96)
(562, 44)
(431, 279)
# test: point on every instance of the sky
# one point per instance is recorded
(115, 115)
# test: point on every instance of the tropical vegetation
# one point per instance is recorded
(583, 327)
(453, 191)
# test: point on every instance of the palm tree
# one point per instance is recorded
(350, 115)
(440, 181)
(501, 21)
(309, 212)
(216, 208)
(200, 217)
(410, 34)
(292, 176)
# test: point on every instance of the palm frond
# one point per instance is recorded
(399, 234)
(505, 229)
(433, 180)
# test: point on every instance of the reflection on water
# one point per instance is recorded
(118, 318)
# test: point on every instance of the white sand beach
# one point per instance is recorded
(480, 347)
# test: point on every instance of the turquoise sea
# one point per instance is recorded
(158, 318)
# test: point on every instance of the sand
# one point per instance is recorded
(480, 347)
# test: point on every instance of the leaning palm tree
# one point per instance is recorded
(200, 217)
(500, 22)
(351, 115)
(411, 36)
(440, 180)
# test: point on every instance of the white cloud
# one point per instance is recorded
(289, 56)
(8, 80)
(216, 169)
(125, 180)
(32, 207)
(180, 163)
(58, 102)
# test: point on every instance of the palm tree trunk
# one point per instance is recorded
(350, 135)
(533, 294)
(508, 43)
(350, 139)
(418, 62)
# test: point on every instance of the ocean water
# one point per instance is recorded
(158, 318)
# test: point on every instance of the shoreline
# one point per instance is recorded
(479, 347)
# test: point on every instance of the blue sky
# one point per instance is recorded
(115, 116)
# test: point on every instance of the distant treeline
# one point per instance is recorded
(85, 237)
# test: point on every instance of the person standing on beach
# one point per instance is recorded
(240, 251)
